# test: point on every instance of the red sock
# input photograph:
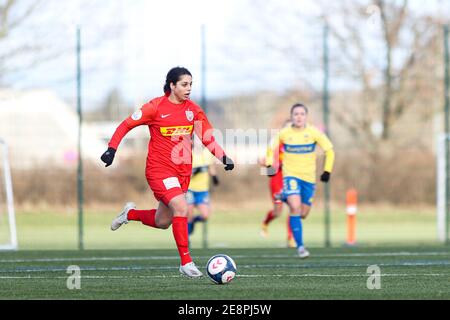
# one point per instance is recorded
(147, 217)
(289, 229)
(270, 217)
(180, 233)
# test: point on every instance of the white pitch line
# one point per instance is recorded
(91, 259)
(238, 276)
(357, 255)
(255, 266)
(293, 256)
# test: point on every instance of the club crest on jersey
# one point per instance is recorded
(137, 115)
(190, 116)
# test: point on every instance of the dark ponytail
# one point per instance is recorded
(173, 77)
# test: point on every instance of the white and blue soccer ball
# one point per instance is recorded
(221, 269)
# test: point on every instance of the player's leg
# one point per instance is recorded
(147, 217)
(276, 191)
(308, 191)
(123, 217)
(202, 202)
(293, 192)
(306, 210)
(158, 219)
(295, 205)
(190, 198)
(295, 222)
(290, 235)
(265, 224)
(163, 217)
(273, 214)
(175, 199)
(179, 207)
(205, 212)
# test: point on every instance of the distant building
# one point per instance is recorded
(40, 128)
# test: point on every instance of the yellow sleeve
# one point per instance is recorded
(327, 146)
(273, 156)
(329, 160)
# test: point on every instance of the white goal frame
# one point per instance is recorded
(441, 192)
(13, 243)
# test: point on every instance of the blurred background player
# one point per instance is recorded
(198, 195)
(275, 173)
(299, 142)
(172, 120)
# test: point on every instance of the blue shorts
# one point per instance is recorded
(197, 198)
(296, 187)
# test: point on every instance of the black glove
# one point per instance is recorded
(325, 178)
(271, 172)
(196, 171)
(215, 180)
(108, 156)
(228, 163)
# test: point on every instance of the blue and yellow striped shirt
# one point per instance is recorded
(299, 152)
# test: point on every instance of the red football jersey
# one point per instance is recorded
(171, 129)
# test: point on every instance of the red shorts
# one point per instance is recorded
(168, 188)
(276, 187)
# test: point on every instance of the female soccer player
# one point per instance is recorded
(172, 121)
(275, 174)
(299, 143)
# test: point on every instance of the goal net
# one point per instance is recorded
(8, 233)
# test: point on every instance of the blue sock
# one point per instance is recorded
(199, 219)
(297, 230)
(190, 228)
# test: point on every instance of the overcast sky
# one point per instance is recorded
(142, 39)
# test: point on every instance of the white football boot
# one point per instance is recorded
(122, 218)
(303, 253)
(264, 231)
(191, 271)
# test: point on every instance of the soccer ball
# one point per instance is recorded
(221, 269)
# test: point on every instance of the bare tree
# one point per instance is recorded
(383, 54)
(33, 32)
(9, 20)
(13, 13)
(393, 74)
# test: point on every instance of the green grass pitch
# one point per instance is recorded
(263, 274)
(139, 263)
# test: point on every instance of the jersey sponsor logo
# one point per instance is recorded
(176, 131)
(190, 116)
(300, 149)
(137, 115)
(163, 116)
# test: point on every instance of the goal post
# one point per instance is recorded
(441, 189)
(8, 231)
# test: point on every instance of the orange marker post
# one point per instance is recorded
(352, 209)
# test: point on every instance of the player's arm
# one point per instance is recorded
(144, 116)
(213, 173)
(204, 130)
(330, 156)
(273, 156)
